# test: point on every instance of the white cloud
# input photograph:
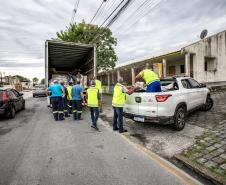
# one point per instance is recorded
(26, 24)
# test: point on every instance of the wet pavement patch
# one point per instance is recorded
(5, 131)
(140, 137)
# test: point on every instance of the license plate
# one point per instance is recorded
(138, 119)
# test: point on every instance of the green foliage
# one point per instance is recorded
(22, 78)
(92, 34)
(43, 81)
(35, 80)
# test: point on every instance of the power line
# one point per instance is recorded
(97, 11)
(122, 9)
(142, 13)
(112, 13)
(74, 11)
(135, 11)
(107, 9)
(150, 7)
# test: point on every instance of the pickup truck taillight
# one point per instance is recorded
(5, 97)
(162, 98)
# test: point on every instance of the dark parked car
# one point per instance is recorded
(11, 101)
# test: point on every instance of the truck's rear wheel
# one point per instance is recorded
(179, 118)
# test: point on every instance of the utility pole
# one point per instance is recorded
(1, 77)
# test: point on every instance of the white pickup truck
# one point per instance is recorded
(179, 96)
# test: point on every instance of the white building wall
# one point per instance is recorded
(214, 46)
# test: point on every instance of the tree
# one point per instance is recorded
(35, 80)
(21, 78)
(92, 34)
(43, 81)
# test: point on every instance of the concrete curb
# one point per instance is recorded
(216, 179)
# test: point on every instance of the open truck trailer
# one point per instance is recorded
(63, 59)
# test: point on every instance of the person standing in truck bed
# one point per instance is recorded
(151, 79)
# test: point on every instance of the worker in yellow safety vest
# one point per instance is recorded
(151, 79)
(98, 85)
(69, 97)
(118, 102)
(93, 97)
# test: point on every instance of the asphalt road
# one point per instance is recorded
(35, 150)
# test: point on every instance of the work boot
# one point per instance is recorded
(122, 131)
(61, 116)
(55, 115)
(75, 116)
(66, 114)
(79, 116)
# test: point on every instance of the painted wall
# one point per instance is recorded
(177, 65)
(214, 46)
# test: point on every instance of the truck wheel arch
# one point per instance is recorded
(179, 105)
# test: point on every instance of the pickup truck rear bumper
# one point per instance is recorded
(160, 120)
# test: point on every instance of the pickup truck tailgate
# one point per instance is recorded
(131, 105)
(142, 103)
(148, 105)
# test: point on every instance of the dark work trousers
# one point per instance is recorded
(77, 109)
(57, 104)
(69, 105)
(65, 107)
(118, 118)
(94, 115)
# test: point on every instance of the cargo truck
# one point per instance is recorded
(64, 60)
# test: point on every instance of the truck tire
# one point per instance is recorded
(208, 105)
(12, 112)
(179, 118)
(23, 107)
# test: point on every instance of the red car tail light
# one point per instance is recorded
(162, 98)
(5, 97)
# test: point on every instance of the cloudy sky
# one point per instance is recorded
(158, 25)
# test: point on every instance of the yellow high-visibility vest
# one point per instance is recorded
(98, 86)
(119, 97)
(69, 90)
(92, 97)
(149, 76)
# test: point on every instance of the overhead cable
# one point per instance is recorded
(112, 12)
(118, 13)
(75, 11)
(97, 11)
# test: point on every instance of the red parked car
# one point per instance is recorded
(11, 101)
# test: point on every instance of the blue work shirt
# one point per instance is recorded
(56, 90)
(76, 92)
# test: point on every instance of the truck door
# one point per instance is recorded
(191, 94)
(201, 92)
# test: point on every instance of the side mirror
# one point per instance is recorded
(202, 85)
(21, 94)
